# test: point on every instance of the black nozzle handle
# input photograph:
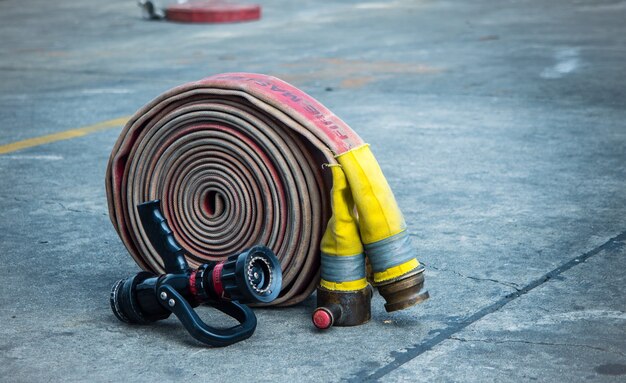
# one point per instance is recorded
(217, 337)
(161, 237)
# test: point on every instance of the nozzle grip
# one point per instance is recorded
(161, 237)
(202, 332)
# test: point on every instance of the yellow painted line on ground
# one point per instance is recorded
(65, 135)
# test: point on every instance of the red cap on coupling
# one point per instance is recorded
(322, 318)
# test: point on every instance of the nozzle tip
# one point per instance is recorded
(322, 318)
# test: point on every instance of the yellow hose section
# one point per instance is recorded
(342, 233)
(396, 271)
(360, 182)
(341, 237)
(379, 215)
(344, 286)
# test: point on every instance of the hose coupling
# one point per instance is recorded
(404, 291)
(342, 308)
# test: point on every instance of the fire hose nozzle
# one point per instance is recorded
(253, 276)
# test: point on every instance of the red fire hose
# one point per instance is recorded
(237, 160)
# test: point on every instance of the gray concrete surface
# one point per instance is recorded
(501, 126)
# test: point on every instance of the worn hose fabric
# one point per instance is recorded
(236, 160)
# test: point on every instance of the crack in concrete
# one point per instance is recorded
(400, 358)
(496, 341)
(69, 208)
(507, 284)
(115, 330)
(14, 199)
(62, 205)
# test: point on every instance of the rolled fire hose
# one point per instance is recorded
(240, 159)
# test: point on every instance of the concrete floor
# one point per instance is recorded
(501, 126)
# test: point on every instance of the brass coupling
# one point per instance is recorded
(404, 291)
